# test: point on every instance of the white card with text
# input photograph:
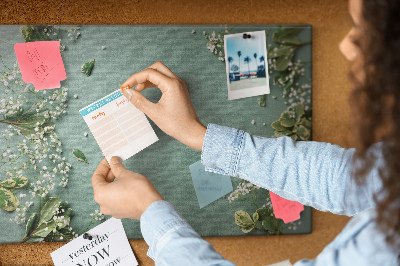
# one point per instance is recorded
(109, 246)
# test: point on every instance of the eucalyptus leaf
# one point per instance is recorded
(262, 100)
(87, 68)
(31, 224)
(79, 155)
(49, 209)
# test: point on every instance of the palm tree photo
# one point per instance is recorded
(255, 57)
(247, 60)
(239, 54)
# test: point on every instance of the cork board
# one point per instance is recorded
(330, 23)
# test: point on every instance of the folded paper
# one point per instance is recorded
(41, 64)
(209, 186)
(284, 209)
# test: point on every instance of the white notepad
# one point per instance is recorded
(119, 128)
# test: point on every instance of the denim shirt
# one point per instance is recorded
(312, 173)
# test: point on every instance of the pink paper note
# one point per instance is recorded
(41, 63)
(284, 209)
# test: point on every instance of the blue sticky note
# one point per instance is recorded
(209, 186)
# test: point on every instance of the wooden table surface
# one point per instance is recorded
(331, 113)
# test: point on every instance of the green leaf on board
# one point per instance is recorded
(34, 239)
(278, 126)
(302, 132)
(282, 63)
(9, 183)
(244, 220)
(49, 209)
(306, 123)
(262, 100)
(79, 155)
(285, 115)
(86, 68)
(284, 50)
(287, 36)
(294, 137)
(20, 181)
(8, 200)
(299, 111)
(283, 133)
(33, 122)
(44, 229)
(31, 224)
(34, 33)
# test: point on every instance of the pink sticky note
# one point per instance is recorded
(41, 63)
(284, 209)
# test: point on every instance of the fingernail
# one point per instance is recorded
(115, 160)
(129, 92)
(124, 88)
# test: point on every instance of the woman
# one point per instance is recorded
(316, 174)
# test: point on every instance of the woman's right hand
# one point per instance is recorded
(174, 112)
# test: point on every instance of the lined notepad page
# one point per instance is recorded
(118, 126)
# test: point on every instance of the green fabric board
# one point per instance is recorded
(130, 49)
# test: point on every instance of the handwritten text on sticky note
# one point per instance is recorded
(209, 186)
(41, 63)
(284, 209)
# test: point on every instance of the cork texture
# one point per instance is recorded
(331, 112)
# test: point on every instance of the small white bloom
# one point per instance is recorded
(193, 31)
(253, 122)
(103, 47)
(85, 134)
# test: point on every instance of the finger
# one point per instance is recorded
(142, 86)
(100, 174)
(140, 102)
(117, 167)
(160, 67)
(110, 177)
(159, 80)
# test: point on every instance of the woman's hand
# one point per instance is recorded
(174, 112)
(128, 196)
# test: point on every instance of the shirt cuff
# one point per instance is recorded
(222, 148)
(158, 219)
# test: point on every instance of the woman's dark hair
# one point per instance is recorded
(375, 103)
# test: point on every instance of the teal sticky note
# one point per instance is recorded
(209, 186)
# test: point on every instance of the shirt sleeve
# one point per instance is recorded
(172, 241)
(313, 173)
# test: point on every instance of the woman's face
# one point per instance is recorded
(347, 46)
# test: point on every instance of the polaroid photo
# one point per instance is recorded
(246, 64)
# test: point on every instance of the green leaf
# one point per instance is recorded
(276, 52)
(49, 209)
(20, 181)
(306, 123)
(69, 212)
(27, 131)
(33, 122)
(87, 68)
(34, 239)
(288, 122)
(278, 126)
(299, 111)
(8, 200)
(79, 155)
(283, 133)
(41, 201)
(262, 100)
(302, 132)
(31, 224)
(255, 216)
(34, 33)
(287, 36)
(243, 219)
(41, 231)
(247, 229)
(66, 218)
(267, 225)
(294, 137)
(283, 61)
(9, 183)
(285, 115)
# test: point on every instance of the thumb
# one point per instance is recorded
(117, 167)
(138, 100)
